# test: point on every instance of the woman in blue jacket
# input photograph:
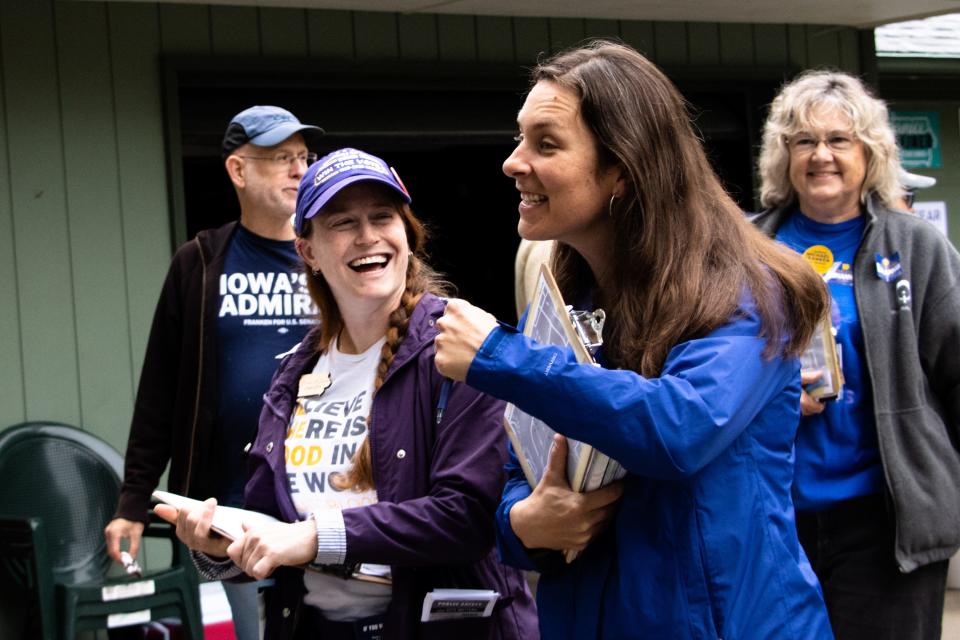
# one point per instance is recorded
(699, 388)
(384, 475)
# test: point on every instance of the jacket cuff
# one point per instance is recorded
(331, 536)
(133, 507)
(509, 548)
(486, 359)
(212, 569)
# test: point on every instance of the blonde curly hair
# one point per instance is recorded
(795, 109)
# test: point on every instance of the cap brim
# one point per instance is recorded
(282, 132)
(339, 186)
(915, 180)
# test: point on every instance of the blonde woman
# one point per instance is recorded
(876, 491)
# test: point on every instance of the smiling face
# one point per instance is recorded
(564, 193)
(827, 168)
(358, 242)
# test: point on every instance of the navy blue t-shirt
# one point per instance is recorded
(838, 456)
(264, 310)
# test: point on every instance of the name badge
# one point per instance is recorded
(313, 384)
(452, 604)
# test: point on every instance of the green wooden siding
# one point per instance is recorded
(92, 190)
(457, 38)
(84, 200)
(41, 227)
(233, 29)
(85, 222)
(12, 398)
(145, 217)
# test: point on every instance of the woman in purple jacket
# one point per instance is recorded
(384, 475)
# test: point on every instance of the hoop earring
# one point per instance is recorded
(610, 205)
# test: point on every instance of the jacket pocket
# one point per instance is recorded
(921, 467)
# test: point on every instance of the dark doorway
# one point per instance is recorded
(447, 142)
(458, 190)
(446, 136)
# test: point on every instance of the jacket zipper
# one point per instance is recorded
(868, 230)
(196, 402)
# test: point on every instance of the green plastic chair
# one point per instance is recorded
(24, 570)
(58, 489)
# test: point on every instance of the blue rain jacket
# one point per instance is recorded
(704, 544)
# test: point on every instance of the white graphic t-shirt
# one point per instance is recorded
(326, 429)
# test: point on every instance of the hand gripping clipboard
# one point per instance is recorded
(550, 321)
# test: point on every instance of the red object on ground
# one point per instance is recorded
(172, 630)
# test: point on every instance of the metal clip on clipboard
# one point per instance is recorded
(589, 327)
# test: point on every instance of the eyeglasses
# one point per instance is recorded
(285, 159)
(909, 196)
(804, 143)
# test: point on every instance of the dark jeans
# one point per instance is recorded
(851, 549)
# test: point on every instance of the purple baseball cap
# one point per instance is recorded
(265, 126)
(334, 171)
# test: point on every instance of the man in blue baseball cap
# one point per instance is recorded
(232, 301)
(265, 154)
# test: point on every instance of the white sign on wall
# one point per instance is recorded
(933, 212)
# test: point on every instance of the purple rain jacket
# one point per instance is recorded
(438, 487)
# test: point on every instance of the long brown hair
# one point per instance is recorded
(421, 278)
(683, 251)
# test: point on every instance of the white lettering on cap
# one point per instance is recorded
(337, 165)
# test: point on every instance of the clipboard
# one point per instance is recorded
(823, 355)
(551, 321)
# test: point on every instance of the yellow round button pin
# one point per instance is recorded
(819, 257)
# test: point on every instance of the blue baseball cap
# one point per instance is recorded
(327, 176)
(265, 126)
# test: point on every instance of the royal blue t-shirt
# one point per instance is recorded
(837, 452)
(264, 310)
